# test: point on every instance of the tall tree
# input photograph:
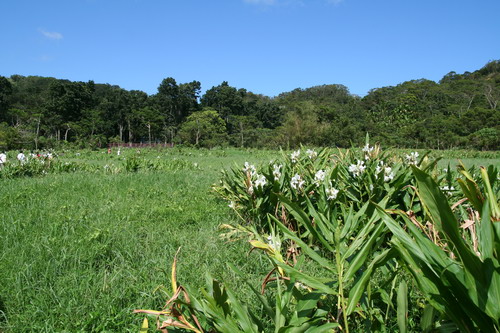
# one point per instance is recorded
(5, 93)
(204, 128)
(225, 99)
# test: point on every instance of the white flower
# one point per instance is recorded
(299, 285)
(388, 174)
(272, 243)
(261, 181)
(319, 177)
(367, 148)
(249, 168)
(371, 187)
(412, 158)
(379, 168)
(232, 205)
(297, 182)
(331, 192)
(357, 169)
(311, 154)
(277, 171)
(295, 156)
(448, 189)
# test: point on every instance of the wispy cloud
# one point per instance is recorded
(261, 2)
(51, 34)
(45, 58)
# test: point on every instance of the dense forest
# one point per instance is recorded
(460, 111)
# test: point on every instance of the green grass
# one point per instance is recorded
(80, 251)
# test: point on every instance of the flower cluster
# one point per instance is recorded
(412, 158)
(319, 177)
(388, 173)
(331, 192)
(249, 169)
(447, 189)
(311, 154)
(367, 149)
(357, 169)
(260, 182)
(297, 182)
(277, 171)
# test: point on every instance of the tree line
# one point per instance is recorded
(459, 111)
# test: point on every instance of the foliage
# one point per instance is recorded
(459, 273)
(322, 219)
(204, 129)
(459, 111)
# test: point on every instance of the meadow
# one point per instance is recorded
(88, 240)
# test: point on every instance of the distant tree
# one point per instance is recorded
(66, 102)
(189, 93)
(204, 129)
(9, 137)
(5, 94)
(225, 99)
(242, 129)
(167, 100)
(486, 139)
(300, 126)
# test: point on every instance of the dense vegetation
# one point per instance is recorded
(357, 241)
(88, 236)
(461, 110)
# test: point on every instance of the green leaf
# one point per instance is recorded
(262, 299)
(304, 219)
(305, 248)
(440, 212)
(309, 280)
(402, 308)
(328, 327)
(427, 321)
(359, 287)
(363, 253)
(485, 233)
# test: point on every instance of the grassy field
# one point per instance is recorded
(79, 251)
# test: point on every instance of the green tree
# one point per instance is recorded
(225, 99)
(204, 129)
(5, 94)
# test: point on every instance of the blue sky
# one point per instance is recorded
(265, 46)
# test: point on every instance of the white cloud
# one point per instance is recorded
(45, 58)
(261, 2)
(51, 34)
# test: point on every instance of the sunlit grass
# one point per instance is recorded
(79, 251)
